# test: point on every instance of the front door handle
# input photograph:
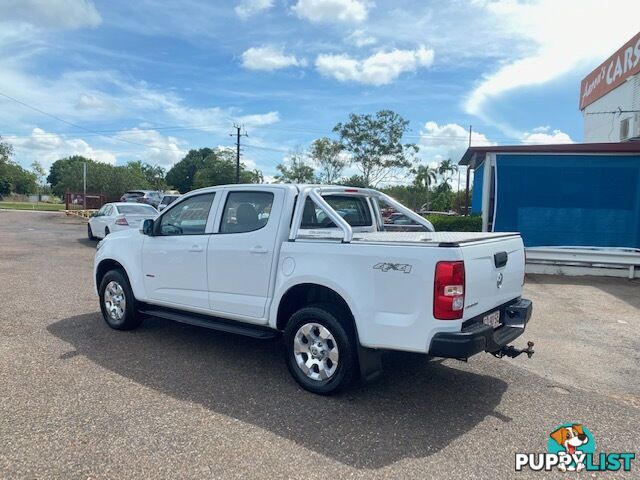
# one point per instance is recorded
(259, 249)
(196, 248)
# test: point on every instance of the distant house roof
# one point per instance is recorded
(474, 156)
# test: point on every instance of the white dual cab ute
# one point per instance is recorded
(315, 264)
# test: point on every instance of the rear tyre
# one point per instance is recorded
(320, 351)
(90, 233)
(117, 302)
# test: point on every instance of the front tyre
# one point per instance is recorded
(320, 353)
(90, 232)
(117, 301)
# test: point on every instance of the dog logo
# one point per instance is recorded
(573, 439)
(571, 447)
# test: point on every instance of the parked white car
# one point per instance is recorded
(315, 265)
(114, 217)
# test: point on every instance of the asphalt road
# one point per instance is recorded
(78, 400)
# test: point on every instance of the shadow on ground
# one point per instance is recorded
(415, 410)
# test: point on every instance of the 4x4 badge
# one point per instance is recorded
(500, 279)
(396, 267)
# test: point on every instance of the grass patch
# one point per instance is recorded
(49, 207)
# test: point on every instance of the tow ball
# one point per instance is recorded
(513, 352)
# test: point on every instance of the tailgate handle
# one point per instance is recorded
(500, 259)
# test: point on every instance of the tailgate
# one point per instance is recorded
(494, 273)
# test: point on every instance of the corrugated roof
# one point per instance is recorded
(475, 155)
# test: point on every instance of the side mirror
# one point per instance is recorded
(147, 227)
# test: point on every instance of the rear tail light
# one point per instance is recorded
(122, 221)
(448, 291)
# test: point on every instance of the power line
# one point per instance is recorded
(81, 127)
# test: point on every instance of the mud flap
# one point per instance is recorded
(370, 361)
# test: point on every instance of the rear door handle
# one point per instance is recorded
(259, 249)
(196, 248)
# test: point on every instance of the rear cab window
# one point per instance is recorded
(354, 209)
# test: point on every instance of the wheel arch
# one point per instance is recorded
(107, 265)
(303, 294)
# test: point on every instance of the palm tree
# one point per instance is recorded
(424, 177)
(447, 168)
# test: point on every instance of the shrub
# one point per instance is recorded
(443, 223)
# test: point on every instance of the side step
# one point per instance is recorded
(212, 323)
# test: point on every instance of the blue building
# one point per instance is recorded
(574, 195)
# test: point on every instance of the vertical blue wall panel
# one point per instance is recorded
(569, 200)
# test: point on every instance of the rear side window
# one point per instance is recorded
(188, 217)
(353, 209)
(246, 211)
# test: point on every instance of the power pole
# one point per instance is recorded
(238, 134)
(84, 195)
(466, 193)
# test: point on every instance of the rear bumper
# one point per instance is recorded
(476, 337)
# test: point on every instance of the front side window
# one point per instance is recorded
(189, 217)
(353, 209)
(246, 211)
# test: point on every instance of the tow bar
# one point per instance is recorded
(513, 352)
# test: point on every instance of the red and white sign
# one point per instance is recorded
(612, 73)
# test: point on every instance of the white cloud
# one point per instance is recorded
(248, 8)
(330, 11)
(544, 135)
(51, 13)
(269, 58)
(440, 142)
(360, 38)
(158, 149)
(379, 69)
(561, 36)
(47, 147)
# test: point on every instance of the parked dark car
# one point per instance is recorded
(166, 201)
(150, 197)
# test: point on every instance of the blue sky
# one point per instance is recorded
(131, 80)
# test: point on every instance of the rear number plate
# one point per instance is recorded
(493, 319)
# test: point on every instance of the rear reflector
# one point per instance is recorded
(448, 291)
(122, 221)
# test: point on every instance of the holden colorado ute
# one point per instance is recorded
(315, 265)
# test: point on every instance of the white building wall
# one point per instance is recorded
(606, 127)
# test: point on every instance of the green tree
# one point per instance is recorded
(446, 169)
(326, 153)
(375, 144)
(66, 174)
(181, 176)
(219, 168)
(14, 178)
(295, 170)
(354, 181)
(424, 177)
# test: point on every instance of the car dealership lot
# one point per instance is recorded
(175, 401)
